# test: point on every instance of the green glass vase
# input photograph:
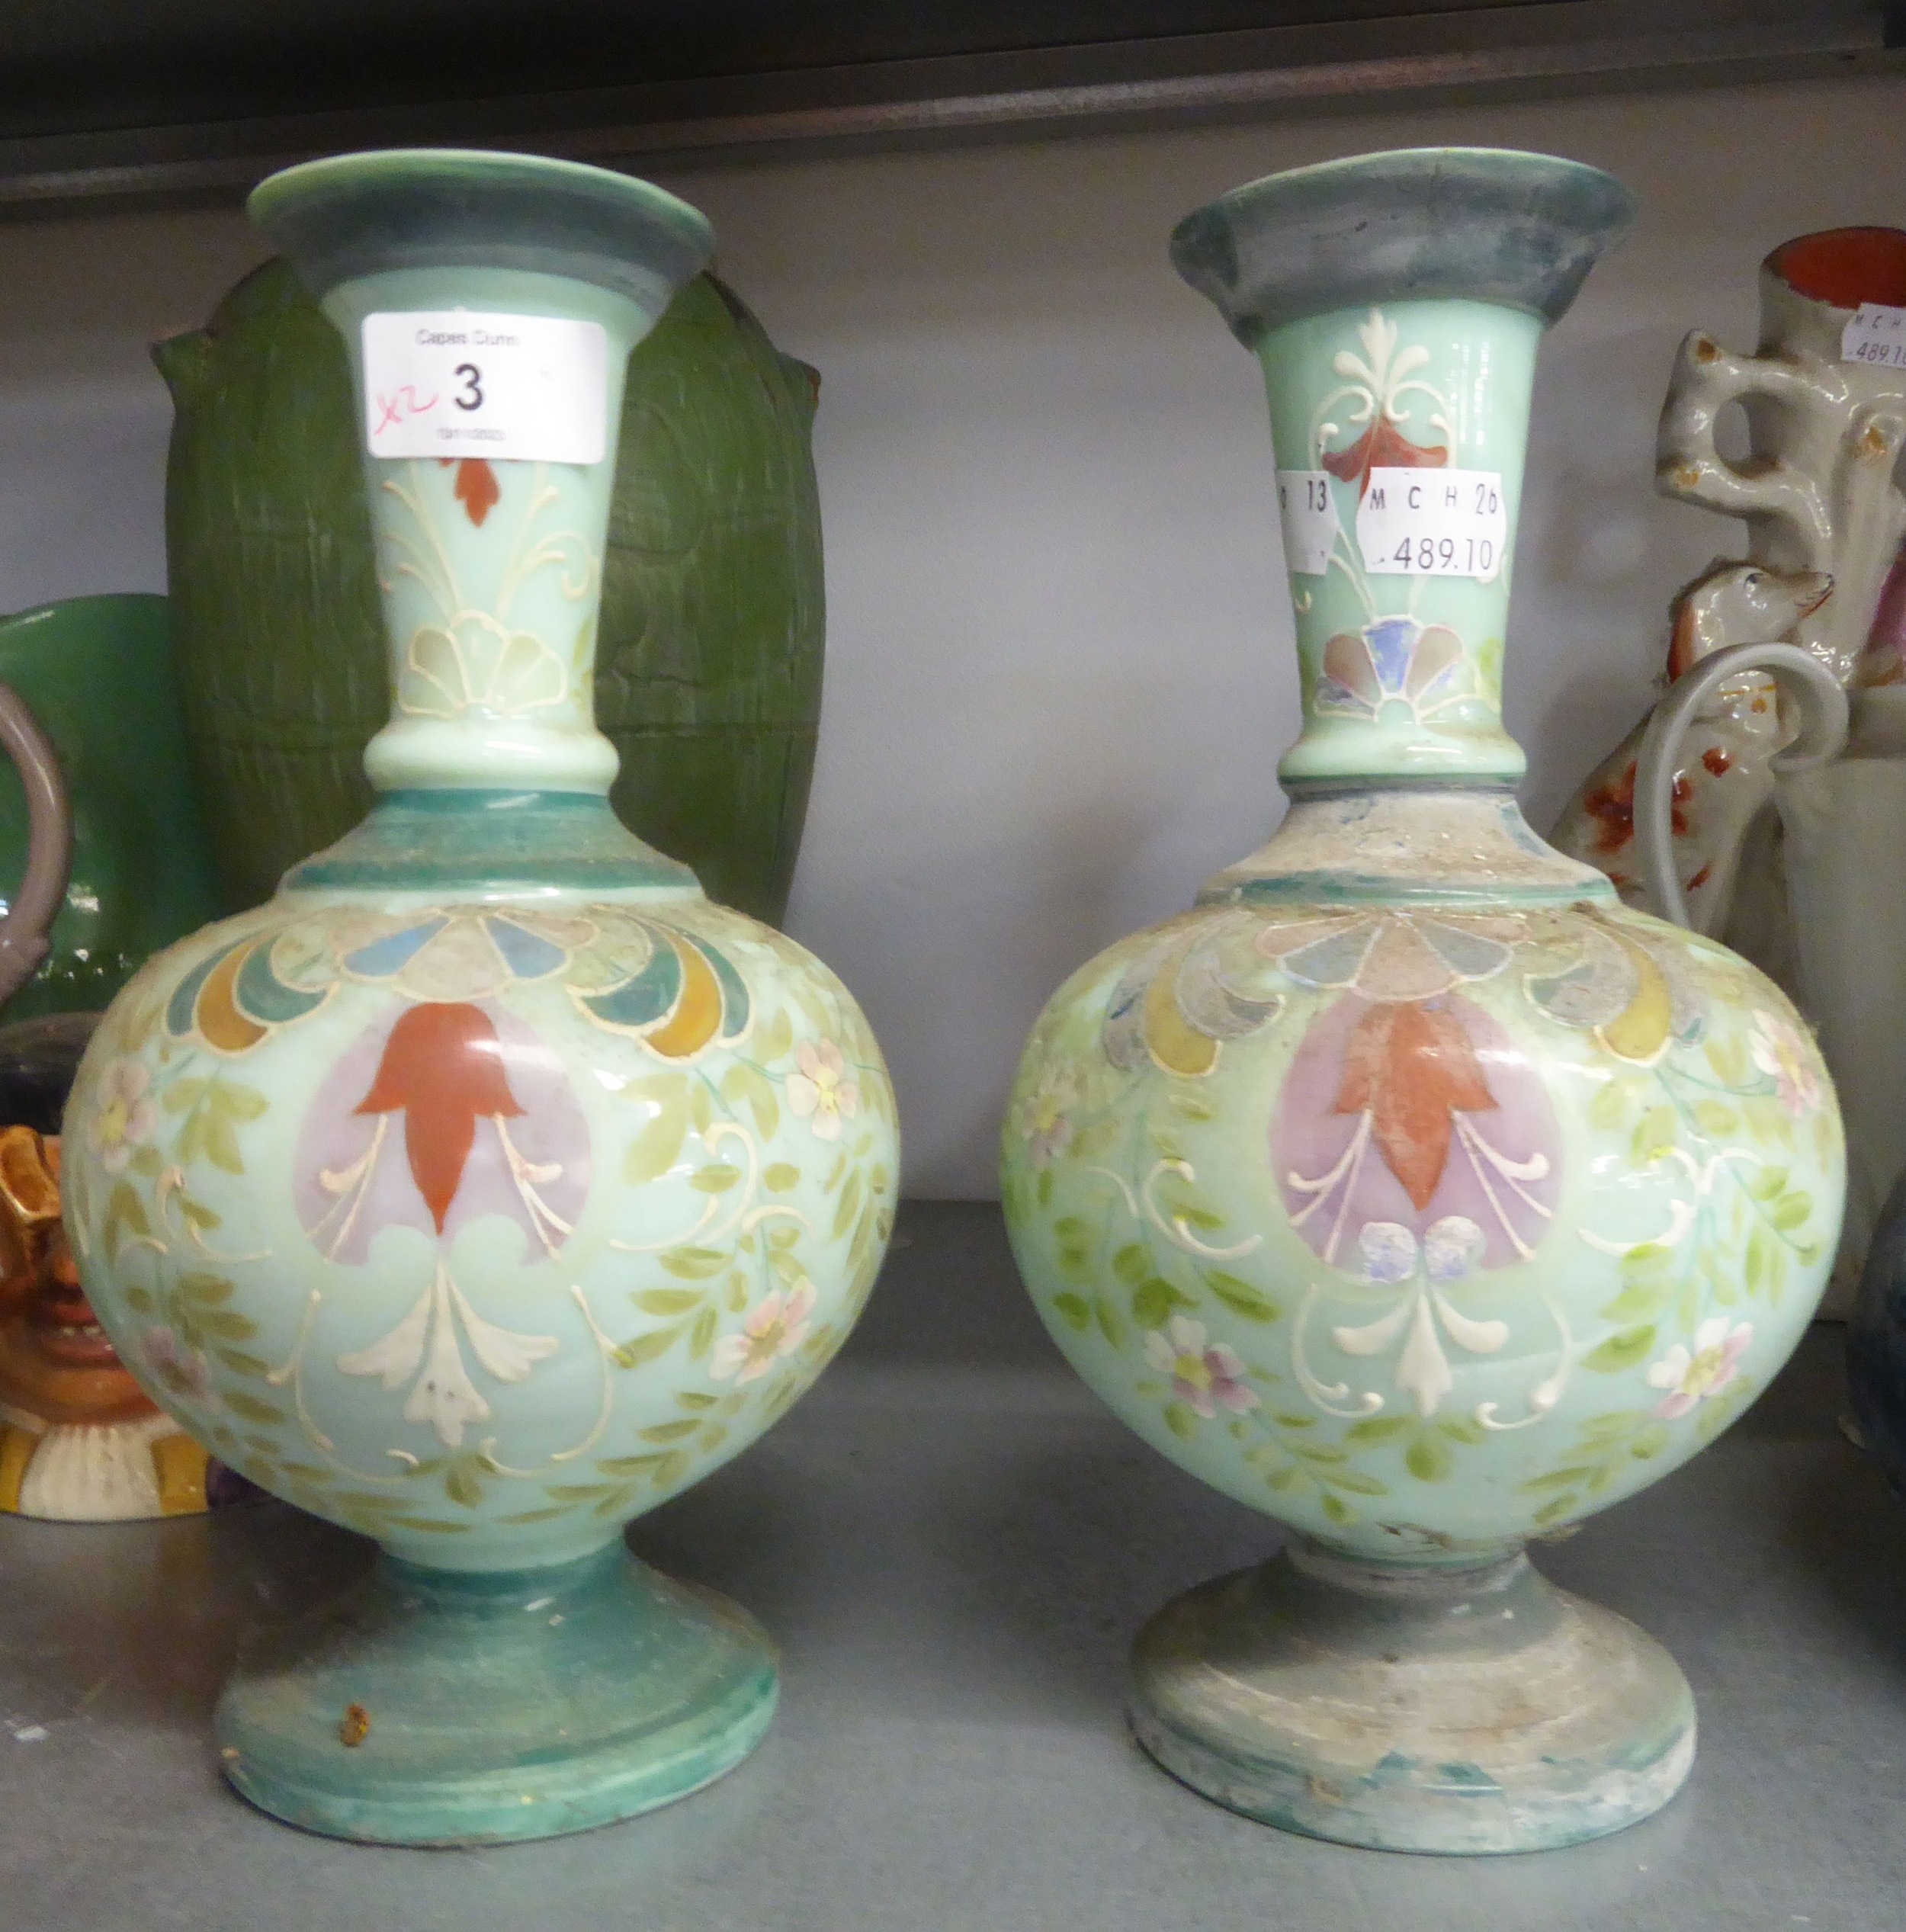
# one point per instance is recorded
(1409, 1188)
(708, 666)
(489, 1185)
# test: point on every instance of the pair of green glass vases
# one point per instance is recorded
(491, 1185)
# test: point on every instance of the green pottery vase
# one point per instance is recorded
(1409, 1188)
(708, 668)
(97, 674)
(489, 1185)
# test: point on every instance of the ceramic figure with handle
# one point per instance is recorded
(489, 1185)
(1411, 1188)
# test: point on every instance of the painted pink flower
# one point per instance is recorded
(1781, 1050)
(1043, 1121)
(180, 1370)
(125, 1116)
(1205, 1375)
(1690, 1378)
(820, 1091)
(776, 1326)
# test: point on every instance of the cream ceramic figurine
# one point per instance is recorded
(489, 1186)
(1409, 1187)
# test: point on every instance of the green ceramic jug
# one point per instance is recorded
(97, 674)
(709, 660)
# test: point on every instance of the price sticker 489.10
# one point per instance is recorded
(1433, 523)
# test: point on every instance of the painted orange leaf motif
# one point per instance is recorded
(476, 487)
(1383, 446)
(1410, 1066)
(442, 1069)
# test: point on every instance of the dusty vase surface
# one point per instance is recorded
(1410, 1188)
(489, 1185)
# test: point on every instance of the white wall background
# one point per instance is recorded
(1060, 669)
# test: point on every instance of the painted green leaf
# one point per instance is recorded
(1764, 1183)
(693, 1398)
(1609, 1107)
(746, 1086)
(1728, 1058)
(1555, 1509)
(241, 1364)
(1131, 1264)
(1180, 1421)
(668, 1300)
(250, 1407)
(700, 1106)
(182, 1094)
(146, 1162)
(1790, 1210)
(1621, 1351)
(1074, 1310)
(701, 1336)
(1462, 1429)
(138, 1300)
(239, 1102)
(462, 1485)
(716, 1178)
(1110, 1323)
(849, 1205)
(1558, 1479)
(221, 1143)
(1641, 1300)
(787, 1264)
(1042, 1187)
(774, 1038)
(629, 1465)
(196, 1212)
(1650, 1441)
(1378, 1429)
(669, 1432)
(1335, 1507)
(227, 1326)
(656, 1146)
(1152, 1302)
(693, 1264)
(1655, 1132)
(205, 1291)
(1429, 1458)
(646, 1348)
(1356, 1482)
(1189, 1102)
(780, 1177)
(1240, 1297)
(1722, 1122)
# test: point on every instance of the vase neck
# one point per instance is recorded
(1400, 430)
(490, 570)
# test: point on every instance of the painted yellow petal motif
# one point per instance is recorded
(1176, 1047)
(1640, 1031)
(220, 1024)
(697, 1012)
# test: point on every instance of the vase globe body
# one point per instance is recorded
(1409, 1188)
(489, 1185)
(709, 662)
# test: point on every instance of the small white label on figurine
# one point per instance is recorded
(1309, 514)
(516, 389)
(1433, 523)
(1875, 336)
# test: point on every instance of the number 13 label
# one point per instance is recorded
(1309, 515)
(1433, 523)
(454, 383)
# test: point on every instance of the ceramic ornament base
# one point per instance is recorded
(1476, 1709)
(432, 1707)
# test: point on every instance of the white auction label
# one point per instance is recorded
(520, 389)
(1876, 336)
(1309, 514)
(1433, 523)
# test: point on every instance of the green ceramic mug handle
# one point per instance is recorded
(24, 930)
(1820, 700)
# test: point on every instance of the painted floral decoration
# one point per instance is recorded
(1391, 658)
(1691, 1378)
(126, 1116)
(1045, 1121)
(1777, 1048)
(820, 1091)
(776, 1326)
(1205, 1375)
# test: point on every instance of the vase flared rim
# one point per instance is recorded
(351, 215)
(1491, 225)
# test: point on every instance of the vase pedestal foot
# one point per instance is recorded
(434, 1707)
(1450, 1708)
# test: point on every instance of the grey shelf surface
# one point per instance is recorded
(953, 1545)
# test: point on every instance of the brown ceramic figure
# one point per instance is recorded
(79, 1441)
